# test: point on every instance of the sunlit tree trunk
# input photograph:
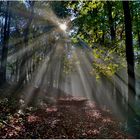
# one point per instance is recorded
(121, 33)
(103, 30)
(138, 33)
(5, 45)
(23, 65)
(129, 49)
(138, 30)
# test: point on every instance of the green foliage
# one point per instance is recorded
(69, 61)
(68, 65)
(93, 26)
(107, 61)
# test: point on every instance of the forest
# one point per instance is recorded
(70, 69)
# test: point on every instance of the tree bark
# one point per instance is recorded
(5, 45)
(129, 49)
(138, 33)
(111, 21)
(23, 65)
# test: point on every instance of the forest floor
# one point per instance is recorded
(69, 117)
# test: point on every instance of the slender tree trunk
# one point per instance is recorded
(16, 70)
(103, 30)
(111, 21)
(5, 45)
(1, 25)
(138, 31)
(24, 63)
(139, 38)
(129, 49)
(121, 33)
(136, 19)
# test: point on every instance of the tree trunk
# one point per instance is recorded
(5, 45)
(24, 63)
(129, 49)
(111, 21)
(135, 14)
(139, 38)
(138, 31)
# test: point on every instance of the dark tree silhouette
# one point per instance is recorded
(129, 48)
(111, 20)
(5, 45)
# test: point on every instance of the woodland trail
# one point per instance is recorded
(69, 117)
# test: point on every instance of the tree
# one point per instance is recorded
(135, 12)
(129, 49)
(111, 20)
(23, 65)
(5, 45)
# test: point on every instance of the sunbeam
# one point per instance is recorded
(67, 69)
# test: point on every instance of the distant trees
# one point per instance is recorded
(24, 39)
(27, 36)
(100, 24)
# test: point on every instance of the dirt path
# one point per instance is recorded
(68, 118)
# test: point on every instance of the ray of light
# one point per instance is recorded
(24, 49)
